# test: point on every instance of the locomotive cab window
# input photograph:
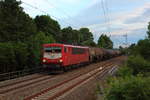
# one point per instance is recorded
(52, 52)
(52, 49)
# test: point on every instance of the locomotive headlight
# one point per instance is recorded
(44, 60)
(60, 60)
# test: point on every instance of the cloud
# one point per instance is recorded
(140, 15)
(119, 25)
(127, 16)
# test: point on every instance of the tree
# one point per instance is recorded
(13, 56)
(70, 36)
(89, 43)
(7, 57)
(143, 48)
(77, 37)
(16, 25)
(66, 35)
(105, 42)
(21, 55)
(85, 34)
(48, 25)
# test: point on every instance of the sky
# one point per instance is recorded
(112, 17)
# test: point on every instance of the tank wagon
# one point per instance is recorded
(62, 56)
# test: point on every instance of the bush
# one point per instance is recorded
(13, 56)
(129, 88)
(144, 48)
(139, 65)
(21, 55)
(7, 61)
(124, 71)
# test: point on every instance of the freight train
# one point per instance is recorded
(62, 56)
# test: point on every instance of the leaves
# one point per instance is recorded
(47, 25)
(77, 37)
(139, 65)
(129, 88)
(16, 25)
(105, 42)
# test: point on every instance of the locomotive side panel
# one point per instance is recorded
(79, 55)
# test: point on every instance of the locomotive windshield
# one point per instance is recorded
(52, 52)
(52, 49)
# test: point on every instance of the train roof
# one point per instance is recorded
(61, 45)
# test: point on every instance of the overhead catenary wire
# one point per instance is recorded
(106, 13)
(105, 10)
(34, 7)
(63, 11)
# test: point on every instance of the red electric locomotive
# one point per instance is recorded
(62, 56)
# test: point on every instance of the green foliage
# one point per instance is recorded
(132, 50)
(129, 88)
(139, 65)
(124, 71)
(76, 37)
(105, 42)
(42, 38)
(13, 56)
(21, 55)
(85, 34)
(16, 34)
(143, 48)
(67, 36)
(16, 25)
(123, 50)
(89, 43)
(7, 56)
(48, 25)
(81, 37)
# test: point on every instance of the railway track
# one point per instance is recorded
(21, 81)
(63, 87)
(43, 81)
(24, 83)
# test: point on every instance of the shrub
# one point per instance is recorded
(139, 65)
(7, 57)
(129, 88)
(13, 56)
(124, 71)
(144, 48)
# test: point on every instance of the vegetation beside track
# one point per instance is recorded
(131, 82)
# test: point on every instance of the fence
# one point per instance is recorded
(15, 74)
